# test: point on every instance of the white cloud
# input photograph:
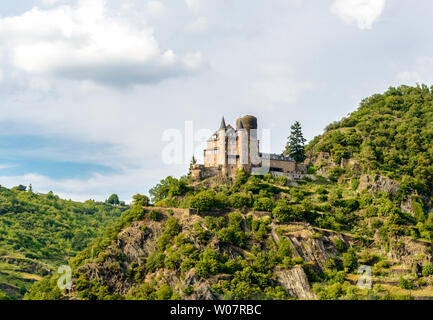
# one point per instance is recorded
(7, 166)
(198, 26)
(276, 84)
(94, 187)
(52, 2)
(194, 5)
(85, 42)
(363, 13)
(420, 72)
(409, 77)
(155, 8)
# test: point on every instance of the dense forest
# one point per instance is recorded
(38, 232)
(366, 202)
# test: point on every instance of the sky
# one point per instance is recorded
(108, 96)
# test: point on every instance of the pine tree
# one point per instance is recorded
(193, 162)
(295, 143)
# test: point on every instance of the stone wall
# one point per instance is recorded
(200, 172)
(176, 211)
(289, 166)
(290, 176)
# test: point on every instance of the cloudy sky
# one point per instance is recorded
(92, 91)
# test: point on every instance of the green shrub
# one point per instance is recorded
(263, 204)
(155, 261)
(350, 260)
(155, 215)
(239, 201)
(405, 283)
(427, 269)
(164, 293)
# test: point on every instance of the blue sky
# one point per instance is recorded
(88, 88)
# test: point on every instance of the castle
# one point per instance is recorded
(230, 149)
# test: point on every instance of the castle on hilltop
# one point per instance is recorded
(230, 149)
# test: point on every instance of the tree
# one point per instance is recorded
(193, 162)
(140, 200)
(113, 199)
(20, 188)
(295, 143)
(167, 188)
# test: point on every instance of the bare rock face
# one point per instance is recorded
(296, 283)
(406, 206)
(409, 251)
(135, 242)
(201, 288)
(378, 184)
(316, 250)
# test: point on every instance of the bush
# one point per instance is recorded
(321, 190)
(167, 188)
(155, 215)
(201, 233)
(155, 261)
(405, 283)
(203, 201)
(350, 260)
(427, 269)
(239, 201)
(285, 212)
(284, 248)
(211, 263)
(322, 198)
(215, 223)
(172, 227)
(298, 195)
(263, 204)
(164, 293)
(340, 245)
(355, 183)
(335, 173)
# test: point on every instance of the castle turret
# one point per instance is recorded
(222, 147)
(247, 142)
(223, 124)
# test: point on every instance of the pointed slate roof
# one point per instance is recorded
(223, 124)
(241, 125)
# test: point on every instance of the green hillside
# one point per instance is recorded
(41, 231)
(391, 134)
(366, 202)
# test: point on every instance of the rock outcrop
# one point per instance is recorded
(378, 183)
(201, 289)
(409, 251)
(296, 283)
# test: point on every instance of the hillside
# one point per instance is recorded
(366, 202)
(389, 134)
(39, 232)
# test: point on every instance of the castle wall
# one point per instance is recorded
(290, 176)
(288, 166)
(200, 172)
(285, 166)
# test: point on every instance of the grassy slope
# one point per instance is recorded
(40, 232)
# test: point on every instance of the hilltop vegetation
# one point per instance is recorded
(390, 134)
(366, 202)
(41, 231)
